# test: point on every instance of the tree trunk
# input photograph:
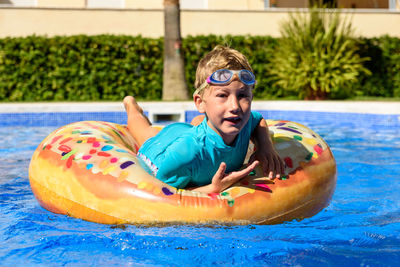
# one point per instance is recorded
(316, 95)
(174, 82)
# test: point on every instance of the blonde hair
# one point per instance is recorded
(221, 57)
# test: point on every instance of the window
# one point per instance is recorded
(105, 3)
(193, 4)
(21, 3)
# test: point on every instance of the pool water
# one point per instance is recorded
(361, 226)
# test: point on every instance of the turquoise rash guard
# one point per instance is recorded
(183, 155)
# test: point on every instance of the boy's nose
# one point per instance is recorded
(234, 104)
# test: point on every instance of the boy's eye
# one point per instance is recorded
(221, 95)
(243, 95)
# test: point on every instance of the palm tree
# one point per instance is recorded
(174, 82)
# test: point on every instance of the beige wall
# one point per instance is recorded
(214, 4)
(231, 22)
(149, 23)
(50, 22)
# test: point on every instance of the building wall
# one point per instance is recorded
(53, 22)
(194, 4)
(150, 23)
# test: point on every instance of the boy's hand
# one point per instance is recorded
(272, 165)
(222, 180)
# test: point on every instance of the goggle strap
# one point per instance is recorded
(204, 85)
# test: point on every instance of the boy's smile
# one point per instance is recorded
(227, 108)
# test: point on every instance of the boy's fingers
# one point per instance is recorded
(282, 165)
(267, 166)
(247, 170)
(252, 158)
(253, 165)
(277, 167)
(271, 166)
(221, 170)
(219, 174)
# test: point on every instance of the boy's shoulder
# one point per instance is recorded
(256, 115)
(186, 139)
(177, 127)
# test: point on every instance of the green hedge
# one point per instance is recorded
(384, 66)
(108, 67)
(80, 68)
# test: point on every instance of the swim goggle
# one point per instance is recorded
(225, 76)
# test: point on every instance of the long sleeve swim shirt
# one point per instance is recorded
(183, 155)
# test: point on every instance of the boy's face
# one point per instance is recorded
(227, 107)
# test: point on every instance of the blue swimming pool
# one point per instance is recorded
(361, 227)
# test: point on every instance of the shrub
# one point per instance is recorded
(107, 67)
(80, 68)
(316, 55)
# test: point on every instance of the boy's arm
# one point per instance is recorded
(272, 164)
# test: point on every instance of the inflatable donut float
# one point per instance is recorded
(89, 170)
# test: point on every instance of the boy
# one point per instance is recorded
(207, 157)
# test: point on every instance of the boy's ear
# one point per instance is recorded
(198, 101)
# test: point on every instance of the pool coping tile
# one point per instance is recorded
(306, 112)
